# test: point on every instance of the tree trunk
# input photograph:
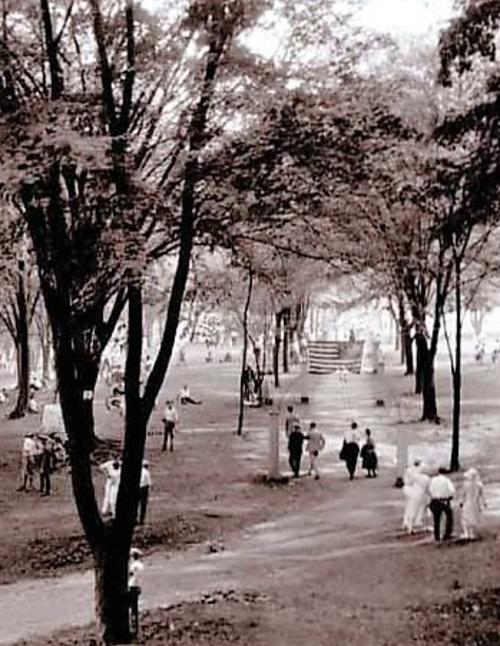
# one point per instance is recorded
(457, 374)
(241, 410)
(419, 372)
(406, 340)
(408, 351)
(429, 405)
(22, 348)
(276, 349)
(286, 341)
(111, 591)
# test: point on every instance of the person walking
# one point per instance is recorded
(369, 456)
(112, 471)
(291, 420)
(442, 491)
(315, 444)
(170, 419)
(295, 444)
(416, 493)
(47, 463)
(472, 503)
(144, 486)
(350, 451)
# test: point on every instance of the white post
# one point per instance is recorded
(274, 445)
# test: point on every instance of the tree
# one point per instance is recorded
(19, 295)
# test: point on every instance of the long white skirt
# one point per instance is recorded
(415, 505)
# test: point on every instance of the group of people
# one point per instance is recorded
(438, 494)
(41, 453)
(296, 438)
(350, 451)
(112, 471)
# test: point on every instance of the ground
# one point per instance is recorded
(322, 561)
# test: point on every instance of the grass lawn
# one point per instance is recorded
(192, 486)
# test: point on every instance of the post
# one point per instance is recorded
(401, 455)
(274, 445)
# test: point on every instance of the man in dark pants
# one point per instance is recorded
(170, 420)
(295, 442)
(46, 465)
(144, 492)
(441, 490)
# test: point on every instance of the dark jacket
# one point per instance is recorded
(295, 441)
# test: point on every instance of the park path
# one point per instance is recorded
(360, 516)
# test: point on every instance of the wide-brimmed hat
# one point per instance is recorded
(135, 551)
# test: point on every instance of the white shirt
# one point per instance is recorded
(135, 567)
(441, 487)
(170, 414)
(145, 477)
(185, 392)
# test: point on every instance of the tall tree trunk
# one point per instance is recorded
(408, 351)
(406, 340)
(457, 373)
(241, 410)
(426, 361)
(276, 349)
(419, 372)
(22, 347)
(111, 590)
(111, 559)
(286, 340)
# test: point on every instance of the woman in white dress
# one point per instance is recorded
(415, 490)
(112, 471)
(472, 503)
